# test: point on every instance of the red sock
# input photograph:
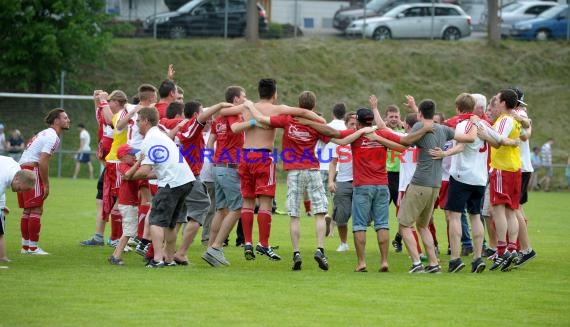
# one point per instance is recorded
(501, 247)
(307, 204)
(116, 226)
(150, 252)
(143, 210)
(247, 224)
(264, 225)
(34, 226)
(431, 228)
(417, 240)
(24, 228)
(512, 246)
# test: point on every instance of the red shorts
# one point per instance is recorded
(35, 197)
(153, 189)
(442, 197)
(505, 188)
(257, 175)
(104, 147)
(111, 184)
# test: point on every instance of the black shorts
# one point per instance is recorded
(83, 157)
(168, 205)
(99, 195)
(2, 223)
(393, 186)
(524, 186)
(461, 195)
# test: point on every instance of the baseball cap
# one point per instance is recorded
(364, 115)
(520, 95)
(125, 149)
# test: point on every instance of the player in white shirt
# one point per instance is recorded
(11, 175)
(36, 158)
(83, 155)
(161, 160)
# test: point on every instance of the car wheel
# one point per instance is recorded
(452, 34)
(382, 33)
(177, 32)
(542, 35)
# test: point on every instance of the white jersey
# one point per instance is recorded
(164, 156)
(526, 165)
(45, 141)
(9, 168)
(344, 164)
(134, 138)
(446, 162)
(85, 138)
(329, 148)
(407, 169)
(470, 165)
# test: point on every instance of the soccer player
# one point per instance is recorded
(36, 158)
(83, 156)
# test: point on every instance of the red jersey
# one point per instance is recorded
(129, 190)
(161, 107)
(299, 142)
(228, 143)
(369, 158)
(192, 141)
(170, 123)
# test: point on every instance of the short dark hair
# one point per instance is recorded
(267, 88)
(165, 88)
(232, 92)
(150, 114)
(339, 110)
(411, 119)
(427, 108)
(81, 125)
(192, 107)
(173, 109)
(53, 115)
(509, 97)
(307, 100)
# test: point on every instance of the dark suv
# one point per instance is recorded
(344, 16)
(204, 18)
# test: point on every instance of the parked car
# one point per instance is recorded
(519, 11)
(204, 18)
(450, 22)
(345, 16)
(551, 24)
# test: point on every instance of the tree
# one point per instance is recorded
(493, 31)
(252, 28)
(40, 38)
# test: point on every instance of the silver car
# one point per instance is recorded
(445, 21)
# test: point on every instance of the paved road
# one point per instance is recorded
(331, 32)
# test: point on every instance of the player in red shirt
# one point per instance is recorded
(168, 93)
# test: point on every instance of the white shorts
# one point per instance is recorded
(130, 219)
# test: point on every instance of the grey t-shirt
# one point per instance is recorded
(428, 170)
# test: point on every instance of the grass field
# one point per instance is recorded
(75, 286)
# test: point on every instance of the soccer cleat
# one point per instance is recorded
(170, 264)
(416, 269)
(37, 251)
(133, 241)
(512, 260)
(141, 249)
(343, 247)
(115, 261)
(92, 242)
(433, 269)
(248, 252)
(321, 260)
(478, 266)
(397, 246)
(503, 261)
(113, 243)
(154, 264)
(524, 258)
(268, 251)
(489, 252)
(455, 265)
(297, 261)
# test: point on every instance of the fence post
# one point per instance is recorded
(60, 156)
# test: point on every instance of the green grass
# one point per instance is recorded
(75, 286)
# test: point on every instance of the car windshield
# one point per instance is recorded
(375, 4)
(511, 7)
(552, 12)
(393, 12)
(188, 6)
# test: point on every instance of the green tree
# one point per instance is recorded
(39, 38)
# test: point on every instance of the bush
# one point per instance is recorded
(123, 29)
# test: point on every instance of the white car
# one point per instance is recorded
(441, 21)
(519, 11)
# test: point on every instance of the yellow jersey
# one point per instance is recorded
(119, 137)
(507, 158)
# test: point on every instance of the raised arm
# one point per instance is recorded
(101, 102)
(377, 117)
(319, 127)
(124, 122)
(210, 111)
(172, 133)
(411, 103)
(412, 138)
(233, 111)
